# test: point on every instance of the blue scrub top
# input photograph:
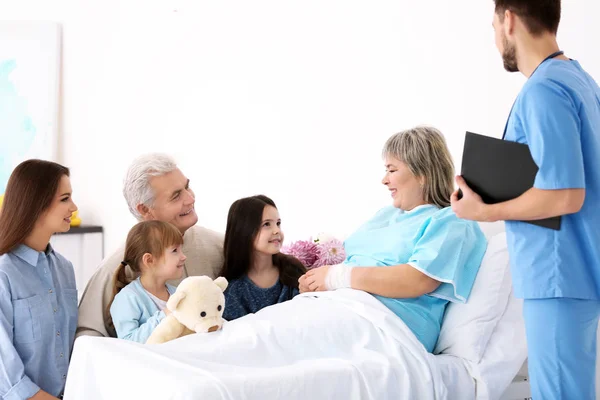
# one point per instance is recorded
(434, 241)
(557, 114)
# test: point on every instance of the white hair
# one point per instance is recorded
(136, 185)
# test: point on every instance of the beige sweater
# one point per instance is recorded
(203, 248)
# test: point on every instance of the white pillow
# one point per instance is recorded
(491, 229)
(467, 328)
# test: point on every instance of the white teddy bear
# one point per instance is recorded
(196, 307)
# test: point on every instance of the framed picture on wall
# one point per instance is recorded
(29, 93)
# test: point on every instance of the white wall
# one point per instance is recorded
(290, 99)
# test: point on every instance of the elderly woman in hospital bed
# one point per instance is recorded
(370, 339)
(416, 255)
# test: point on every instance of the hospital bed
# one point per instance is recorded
(479, 354)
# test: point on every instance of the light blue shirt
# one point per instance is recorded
(435, 242)
(134, 313)
(38, 317)
(557, 114)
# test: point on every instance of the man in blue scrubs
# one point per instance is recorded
(557, 272)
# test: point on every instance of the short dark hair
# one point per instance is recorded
(243, 225)
(539, 16)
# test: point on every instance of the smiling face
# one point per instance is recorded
(173, 201)
(170, 266)
(406, 189)
(270, 236)
(57, 217)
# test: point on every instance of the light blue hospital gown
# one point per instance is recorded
(434, 241)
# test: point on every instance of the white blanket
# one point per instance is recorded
(333, 345)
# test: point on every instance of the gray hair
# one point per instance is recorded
(425, 152)
(136, 185)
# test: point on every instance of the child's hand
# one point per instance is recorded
(167, 312)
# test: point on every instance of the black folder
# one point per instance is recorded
(499, 170)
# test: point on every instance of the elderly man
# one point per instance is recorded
(155, 189)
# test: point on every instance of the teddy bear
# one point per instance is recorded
(196, 307)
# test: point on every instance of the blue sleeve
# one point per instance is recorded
(127, 313)
(552, 127)
(14, 384)
(449, 250)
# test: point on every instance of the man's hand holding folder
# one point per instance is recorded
(471, 203)
(497, 184)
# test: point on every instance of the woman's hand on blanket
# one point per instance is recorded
(315, 279)
(302, 284)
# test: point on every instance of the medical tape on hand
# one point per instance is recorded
(339, 276)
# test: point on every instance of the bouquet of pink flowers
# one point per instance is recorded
(313, 253)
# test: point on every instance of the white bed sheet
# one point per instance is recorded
(275, 354)
(459, 383)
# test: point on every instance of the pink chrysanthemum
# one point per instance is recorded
(303, 250)
(330, 253)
